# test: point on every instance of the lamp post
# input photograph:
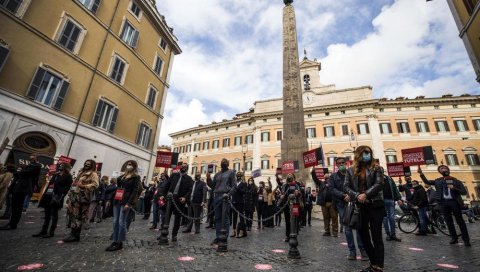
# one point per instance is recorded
(244, 151)
(353, 137)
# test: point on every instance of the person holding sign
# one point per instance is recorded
(124, 198)
(52, 199)
(364, 183)
(449, 191)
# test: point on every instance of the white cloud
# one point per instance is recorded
(232, 52)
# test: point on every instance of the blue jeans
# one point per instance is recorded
(422, 216)
(389, 219)
(119, 223)
(349, 233)
(218, 215)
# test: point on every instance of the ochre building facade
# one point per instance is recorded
(85, 79)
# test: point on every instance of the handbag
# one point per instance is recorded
(57, 200)
(352, 217)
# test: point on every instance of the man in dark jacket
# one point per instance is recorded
(180, 185)
(159, 205)
(449, 196)
(340, 199)
(196, 202)
(238, 202)
(407, 188)
(390, 196)
(420, 203)
(325, 200)
(24, 181)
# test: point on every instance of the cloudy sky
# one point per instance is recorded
(232, 52)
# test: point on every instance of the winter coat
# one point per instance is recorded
(374, 182)
(61, 185)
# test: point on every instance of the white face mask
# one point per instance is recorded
(129, 168)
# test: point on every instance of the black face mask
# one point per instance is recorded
(183, 171)
(289, 179)
(60, 168)
(86, 167)
(446, 173)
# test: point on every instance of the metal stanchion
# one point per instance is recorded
(163, 240)
(222, 240)
(293, 252)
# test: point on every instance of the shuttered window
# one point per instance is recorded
(328, 131)
(472, 159)
(345, 130)
(91, 5)
(105, 115)
(129, 34)
(265, 136)
(422, 127)
(152, 96)
(143, 135)
(451, 159)
(442, 126)
(385, 128)
(11, 5)
(363, 129)
(118, 69)
(70, 35)
(4, 52)
(158, 65)
(48, 89)
(403, 127)
(460, 125)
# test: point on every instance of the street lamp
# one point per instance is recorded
(244, 151)
(353, 137)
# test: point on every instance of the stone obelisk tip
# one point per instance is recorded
(287, 2)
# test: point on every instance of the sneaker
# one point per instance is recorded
(388, 238)
(335, 235)
(70, 239)
(467, 243)
(214, 242)
(326, 234)
(352, 256)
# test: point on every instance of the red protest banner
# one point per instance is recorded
(67, 160)
(414, 156)
(52, 169)
(99, 166)
(396, 169)
(310, 158)
(288, 167)
(164, 159)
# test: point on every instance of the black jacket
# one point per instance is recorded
(250, 198)
(130, 187)
(457, 191)
(408, 189)
(239, 193)
(324, 190)
(373, 186)
(336, 182)
(199, 192)
(61, 186)
(109, 192)
(420, 198)
(185, 188)
(26, 179)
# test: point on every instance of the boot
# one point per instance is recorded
(234, 233)
(73, 237)
(41, 233)
(241, 234)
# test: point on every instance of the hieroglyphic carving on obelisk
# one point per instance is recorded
(294, 141)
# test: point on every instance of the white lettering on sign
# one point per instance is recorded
(413, 157)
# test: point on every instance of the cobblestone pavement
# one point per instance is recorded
(142, 253)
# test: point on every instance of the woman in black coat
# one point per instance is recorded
(52, 199)
(124, 198)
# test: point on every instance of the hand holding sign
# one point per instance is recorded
(419, 170)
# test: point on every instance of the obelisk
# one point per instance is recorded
(294, 141)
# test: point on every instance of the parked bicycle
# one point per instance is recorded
(409, 221)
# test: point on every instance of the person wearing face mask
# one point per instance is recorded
(325, 200)
(406, 188)
(79, 198)
(250, 198)
(6, 175)
(238, 202)
(124, 198)
(419, 203)
(180, 185)
(449, 191)
(196, 202)
(52, 199)
(223, 183)
(159, 203)
(260, 205)
(364, 183)
(24, 181)
(288, 188)
(340, 199)
(390, 196)
(308, 206)
(269, 205)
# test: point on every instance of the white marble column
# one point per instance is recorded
(377, 143)
(257, 147)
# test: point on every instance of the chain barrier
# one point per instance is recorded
(263, 219)
(195, 218)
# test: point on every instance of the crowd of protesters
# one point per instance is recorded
(356, 200)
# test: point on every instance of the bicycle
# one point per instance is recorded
(409, 222)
